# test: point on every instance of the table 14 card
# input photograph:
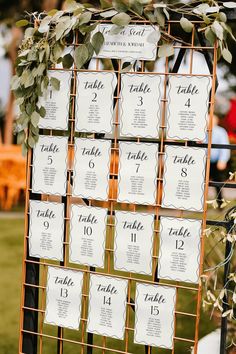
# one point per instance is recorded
(88, 235)
(133, 242)
(179, 251)
(184, 174)
(46, 230)
(140, 105)
(154, 315)
(94, 102)
(107, 306)
(137, 173)
(50, 165)
(91, 168)
(63, 300)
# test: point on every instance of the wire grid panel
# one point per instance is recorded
(52, 339)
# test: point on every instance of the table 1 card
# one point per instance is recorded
(187, 111)
(46, 230)
(184, 174)
(140, 105)
(56, 102)
(94, 102)
(91, 168)
(154, 315)
(137, 173)
(63, 299)
(107, 306)
(88, 235)
(179, 251)
(50, 165)
(133, 242)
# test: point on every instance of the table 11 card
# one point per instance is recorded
(154, 315)
(107, 306)
(179, 251)
(88, 235)
(184, 176)
(63, 298)
(50, 165)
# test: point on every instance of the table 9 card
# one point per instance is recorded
(63, 298)
(140, 105)
(137, 173)
(50, 165)
(87, 235)
(154, 315)
(107, 306)
(91, 168)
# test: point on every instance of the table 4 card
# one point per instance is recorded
(107, 306)
(50, 165)
(179, 251)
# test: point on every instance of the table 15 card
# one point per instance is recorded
(154, 315)
(137, 173)
(140, 105)
(94, 102)
(179, 252)
(46, 230)
(50, 165)
(63, 301)
(107, 306)
(88, 235)
(133, 242)
(184, 174)
(187, 111)
(91, 168)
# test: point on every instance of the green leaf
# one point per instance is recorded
(31, 141)
(90, 50)
(137, 7)
(52, 12)
(126, 67)
(22, 23)
(222, 17)
(35, 119)
(81, 56)
(230, 4)
(217, 29)
(120, 5)
(160, 17)
(57, 51)
(186, 24)
(154, 36)
(116, 29)
(150, 16)
(166, 50)
(121, 19)
(67, 61)
(29, 32)
(60, 29)
(97, 41)
(210, 36)
(21, 137)
(227, 55)
(42, 112)
(105, 4)
(87, 29)
(24, 149)
(15, 82)
(109, 13)
(85, 17)
(55, 83)
(206, 19)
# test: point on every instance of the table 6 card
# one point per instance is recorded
(107, 306)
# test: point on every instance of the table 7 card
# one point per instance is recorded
(154, 315)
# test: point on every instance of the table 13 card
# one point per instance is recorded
(107, 306)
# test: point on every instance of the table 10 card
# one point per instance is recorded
(63, 298)
(154, 315)
(107, 306)
(137, 178)
(179, 251)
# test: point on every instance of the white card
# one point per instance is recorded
(50, 165)
(130, 44)
(183, 180)
(63, 300)
(140, 105)
(46, 230)
(107, 306)
(179, 252)
(187, 109)
(94, 102)
(133, 242)
(56, 102)
(88, 235)
(137, 173)
(91, 168)
(154, 315)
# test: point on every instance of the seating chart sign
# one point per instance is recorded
(154, 315)
(133, 242)
(56, 102)
(140, 105)
(137, 173)
(107, 306)
(94, 102)
(187, 109)
(91, 168)
(50, 165)
(46, 230)
(184, 176)
(63, 299)
(179, 251)
(87, 235)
